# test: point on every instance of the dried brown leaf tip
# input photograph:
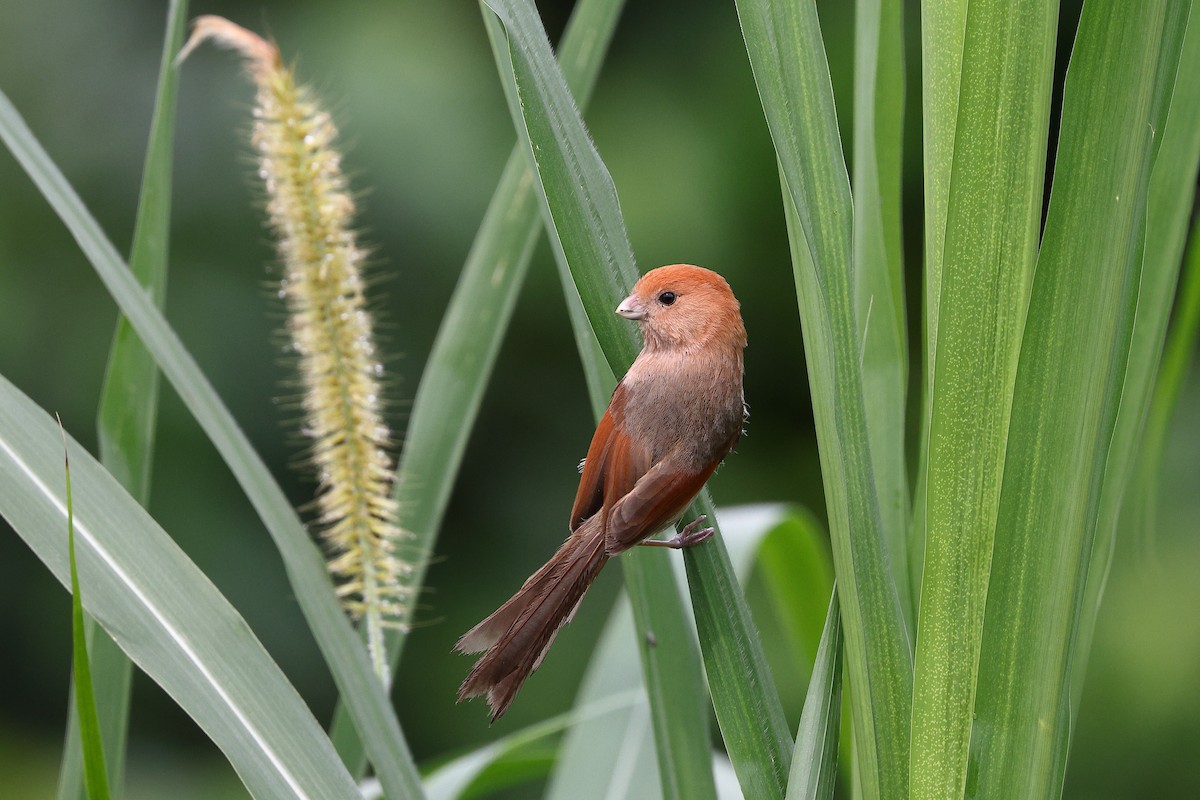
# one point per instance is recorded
(310, 211)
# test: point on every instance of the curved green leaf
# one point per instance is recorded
(165, 614)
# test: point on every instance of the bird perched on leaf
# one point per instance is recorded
(672, 419)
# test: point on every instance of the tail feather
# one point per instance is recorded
(519, 633)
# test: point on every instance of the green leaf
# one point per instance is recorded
(610, 755)
(340, 645)
(464, 351)
(165, 614)
(1172, 186)
(879, 268)
(583, 210)
(1178, 356)
(991, 238)
(1068, 389)
(95, 775)
(814, 764)
(671, 667)
(787, 56)
(129, 409)
(466, 776)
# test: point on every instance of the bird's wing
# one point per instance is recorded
(613, 465)
(654, 502)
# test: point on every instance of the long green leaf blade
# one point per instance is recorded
(787, 56)
(129, 408)
(814, 764)
(95, 774)
(468, 339)
(671, 668)
(584, 212)
(339, 644)
(1172, 185)
(991, 241)
(879, 269)
(1067, 392)
(165, 614)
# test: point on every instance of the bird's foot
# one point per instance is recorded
(687, 537)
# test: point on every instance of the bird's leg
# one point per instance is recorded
(685, 538)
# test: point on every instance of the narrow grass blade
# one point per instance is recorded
(1168, 210)
(1178, 358)
(1068, 390)
(464, 351)
(879, 268)
(814, 764)
(671, 667)
(943, 30)
(129, 408)
(164, 612)
(339, 644)
(95, 774)
(991, 238)
(787, 56)
(582, 208)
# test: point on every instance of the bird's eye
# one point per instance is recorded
(666, 298)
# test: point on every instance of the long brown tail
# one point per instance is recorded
(518, 634)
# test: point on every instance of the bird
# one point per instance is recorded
(672, 419)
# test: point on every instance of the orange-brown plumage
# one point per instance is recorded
(677, 412)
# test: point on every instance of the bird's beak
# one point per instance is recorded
(631, 308)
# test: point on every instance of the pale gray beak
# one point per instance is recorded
(631, 308)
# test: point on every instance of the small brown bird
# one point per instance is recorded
(672, 419)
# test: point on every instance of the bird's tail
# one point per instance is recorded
(517, 635)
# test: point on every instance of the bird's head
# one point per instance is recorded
(682, 306)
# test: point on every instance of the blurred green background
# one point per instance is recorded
(413, 88)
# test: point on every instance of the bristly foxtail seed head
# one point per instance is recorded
(311, 210)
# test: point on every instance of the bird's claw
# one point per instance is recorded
(687, 537)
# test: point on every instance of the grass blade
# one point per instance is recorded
(814, 764)
(1177, 360)
(1172, 185)
(129, 408)
(610, 755)
(787, 56)
(165, 613)
(991, 242)
(339, 644)
(671, 667)
(468, 339)
(879, 268)
(95, 775)
(1067, 392)
(583, 210)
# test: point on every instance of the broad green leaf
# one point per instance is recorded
(95, 775)
(464, 350)
(1068, 389)
(129, 409)
(787, 56)
(879, 268)
(465, 776)
(583, 211)
(342, 649)
(814, 764)
(991, 237)
(671, 667)
(1169, 204)
(610, 755)
(165, 614)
